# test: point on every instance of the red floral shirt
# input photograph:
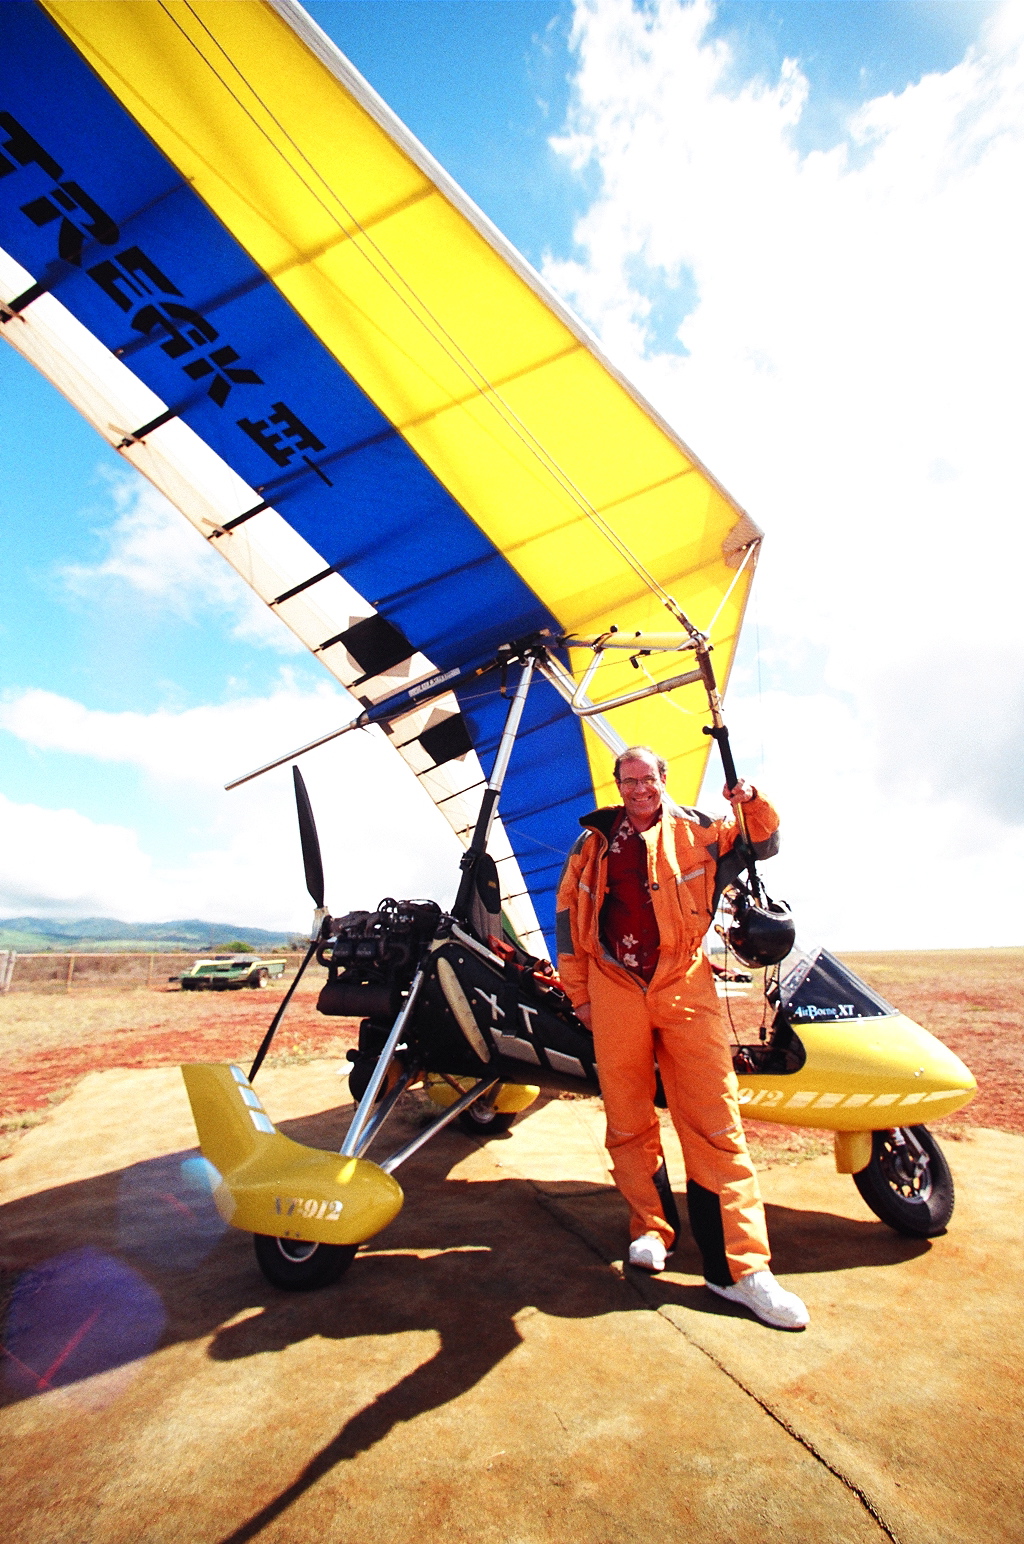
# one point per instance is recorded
(629, 928)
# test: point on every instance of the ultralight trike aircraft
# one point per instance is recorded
(452, 1003)
(265, 295)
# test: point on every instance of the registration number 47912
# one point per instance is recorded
(295, 1206)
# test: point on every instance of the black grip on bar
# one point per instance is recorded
(725, 749)
(468, 863)
(742, 847)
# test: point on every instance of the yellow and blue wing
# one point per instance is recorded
(226, 250)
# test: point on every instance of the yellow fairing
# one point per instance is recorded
(501, 393)
(272, 1185)
(509, 1100)
(868, 1075)
(853, 1150)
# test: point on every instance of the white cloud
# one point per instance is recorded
(850, 370)
(203, 746)
(58, 860)
(865, 862)
(239, 852)
(158, 555)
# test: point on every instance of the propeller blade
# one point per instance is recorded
(311, 859)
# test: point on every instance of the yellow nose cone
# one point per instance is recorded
(863, 1075)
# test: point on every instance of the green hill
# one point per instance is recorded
(89, 935)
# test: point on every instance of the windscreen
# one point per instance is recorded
(819, 987)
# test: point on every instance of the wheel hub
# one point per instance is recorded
(296, 1250)
(907, 1170)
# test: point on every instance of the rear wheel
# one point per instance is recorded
(907, 1183)
(260, 977)
(295, 1266)
(481, 1121)
(363, 1068)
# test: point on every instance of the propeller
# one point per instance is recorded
(311, 859)
(313, 864)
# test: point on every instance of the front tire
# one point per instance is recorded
(910, 1190)
(295, 1266)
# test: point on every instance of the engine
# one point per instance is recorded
(371, 957)
(481, 1005)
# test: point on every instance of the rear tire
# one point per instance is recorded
(260, 978)
(909, 1192)
(477, 1122)
(295, 1266)
(362, 1071)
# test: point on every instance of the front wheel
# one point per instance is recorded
(907, 1183)
(295, 1266)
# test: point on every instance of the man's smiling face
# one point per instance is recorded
(642, 788)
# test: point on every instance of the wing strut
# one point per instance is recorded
(492, 793)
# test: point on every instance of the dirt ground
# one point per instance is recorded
(50, 1040)
(972, 1000)
(488, 1371)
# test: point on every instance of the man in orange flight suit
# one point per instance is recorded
(634, 903)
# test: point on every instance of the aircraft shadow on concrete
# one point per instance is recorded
(101, 1272)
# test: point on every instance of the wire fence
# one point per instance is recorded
(52, 972)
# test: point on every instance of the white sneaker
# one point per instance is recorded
(765, 1298)
(648, 1253)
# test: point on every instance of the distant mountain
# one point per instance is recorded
(85, 935)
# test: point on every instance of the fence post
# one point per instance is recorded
(7, 959)
(71, 971)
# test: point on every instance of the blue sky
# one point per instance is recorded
(105, 608)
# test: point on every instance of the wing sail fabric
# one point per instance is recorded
(267, 553)
(346, 378)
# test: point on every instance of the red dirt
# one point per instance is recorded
(158, 1029)
(973, 1000)
(31, 1087)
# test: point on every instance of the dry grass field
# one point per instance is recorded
(973, 1000)
(48, 1040)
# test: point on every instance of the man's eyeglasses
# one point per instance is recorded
(638, 782)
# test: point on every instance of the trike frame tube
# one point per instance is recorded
(477, 1092)
(364, 1109)
(384, 1109)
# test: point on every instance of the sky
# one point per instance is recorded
(795, 226)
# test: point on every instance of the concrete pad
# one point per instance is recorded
(121, 1117)
(908, 1381)
(481, 1372)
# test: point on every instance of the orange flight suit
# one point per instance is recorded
(674, 1022)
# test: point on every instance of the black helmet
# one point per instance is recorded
(761, 935)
